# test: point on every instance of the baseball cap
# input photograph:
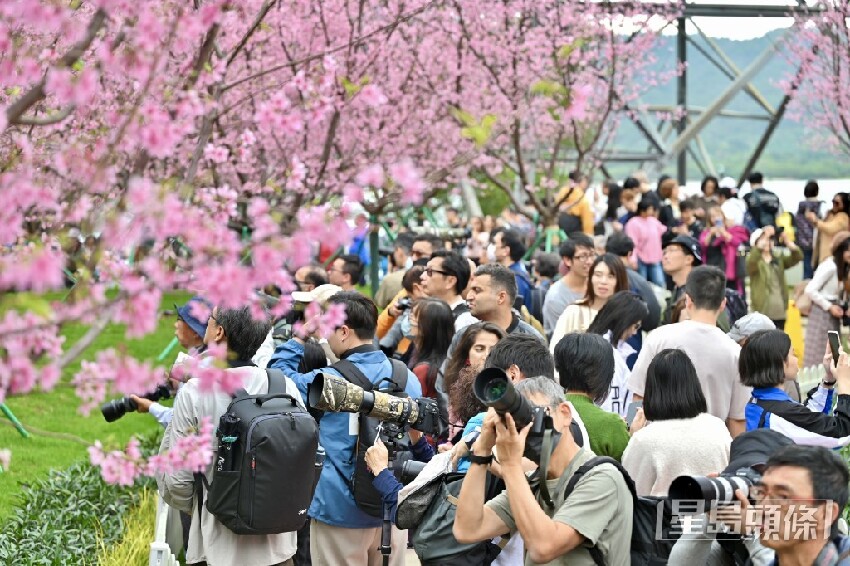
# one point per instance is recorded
(689, 244)
(748, 325)
(185, 314)
(728, 183)
(320, 294)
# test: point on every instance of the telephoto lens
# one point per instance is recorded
(493, 387)
(713, 491)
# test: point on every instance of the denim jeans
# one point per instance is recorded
(652, 272)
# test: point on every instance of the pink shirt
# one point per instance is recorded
(646, 233)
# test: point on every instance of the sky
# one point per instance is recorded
(739, 28)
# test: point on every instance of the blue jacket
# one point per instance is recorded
(523, 284)
(333, 503)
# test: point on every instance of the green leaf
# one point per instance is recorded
(78, 65)
(548, 88)
(350, 88)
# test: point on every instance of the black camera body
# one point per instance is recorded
(404, 304)
(117, 408)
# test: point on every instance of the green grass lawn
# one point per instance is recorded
(57, 411)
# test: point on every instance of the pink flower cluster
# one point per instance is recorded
(125, 374)
(193, 452)
(318, 322)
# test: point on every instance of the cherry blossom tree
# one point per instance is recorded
(820, 90)
(193, 145)
(539, 86)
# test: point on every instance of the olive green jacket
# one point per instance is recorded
(759, 272)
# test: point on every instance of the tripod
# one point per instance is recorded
(391, 434)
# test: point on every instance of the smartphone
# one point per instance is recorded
(834, 345)
(718, 223)
(632, 411)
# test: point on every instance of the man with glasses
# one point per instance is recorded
(340, 531)
(309, 277)
(445, 278)
(346, 271)
(680, 256)
(577, 254)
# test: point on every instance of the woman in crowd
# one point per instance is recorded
(619, 320)
(837, 220)
(607, 277)
(471, 352)
(766, 268)
(720, 241)
(432, 327)
(646, 231)
(585, 366)
(825, 290)
(767, 361)
(394, 322)
(704, 202)
(674, 409)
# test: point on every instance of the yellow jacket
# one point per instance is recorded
(576, 205)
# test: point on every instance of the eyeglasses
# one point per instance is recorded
(761, 493)
(431, 271)
(585, 257)
(214, 319)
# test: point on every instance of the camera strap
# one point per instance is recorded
(545, 456)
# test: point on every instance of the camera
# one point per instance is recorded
(331, 393)
(714, 491)
(494, 389)
(403, 304)
(117, 408)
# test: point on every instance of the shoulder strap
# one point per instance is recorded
(277, 381)
(353, 374)
(595, 551)
(399, 376)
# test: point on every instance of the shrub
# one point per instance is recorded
(135, 544)
(59, 520)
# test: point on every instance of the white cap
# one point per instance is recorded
(320, 294)
(754, 237)
(728, 183)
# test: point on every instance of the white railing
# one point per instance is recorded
(161, 554)
(809, 377)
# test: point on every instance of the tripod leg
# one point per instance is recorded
(11, 416)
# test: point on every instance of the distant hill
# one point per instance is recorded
(730, 141)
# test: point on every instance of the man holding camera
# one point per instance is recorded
(597, 512)
(210, 542)
(341, 532)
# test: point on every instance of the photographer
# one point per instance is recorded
(189, 331)
(767, 361)
(341, 532)
(209, 540)
(598, 511)
(766, 268)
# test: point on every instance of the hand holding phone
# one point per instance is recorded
(834, 346)
(632, 411)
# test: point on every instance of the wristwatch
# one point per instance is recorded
(484, 460)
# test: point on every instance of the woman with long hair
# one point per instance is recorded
(836, 220)
(471, 352)
(607, 277)
(674, 410)
(827, 289)
(619, 320)
(432, 326)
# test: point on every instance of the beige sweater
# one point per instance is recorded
(664, 450)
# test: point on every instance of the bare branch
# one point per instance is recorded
(47, 120)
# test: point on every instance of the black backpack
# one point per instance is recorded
(736, 306)
(368, 498)
(647, 548)
(763, 206)
(266, 466)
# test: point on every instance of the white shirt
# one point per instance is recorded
(209, 540)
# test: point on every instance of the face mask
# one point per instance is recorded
(491, 253)
(405, 325)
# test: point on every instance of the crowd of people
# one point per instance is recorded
(633, 341)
